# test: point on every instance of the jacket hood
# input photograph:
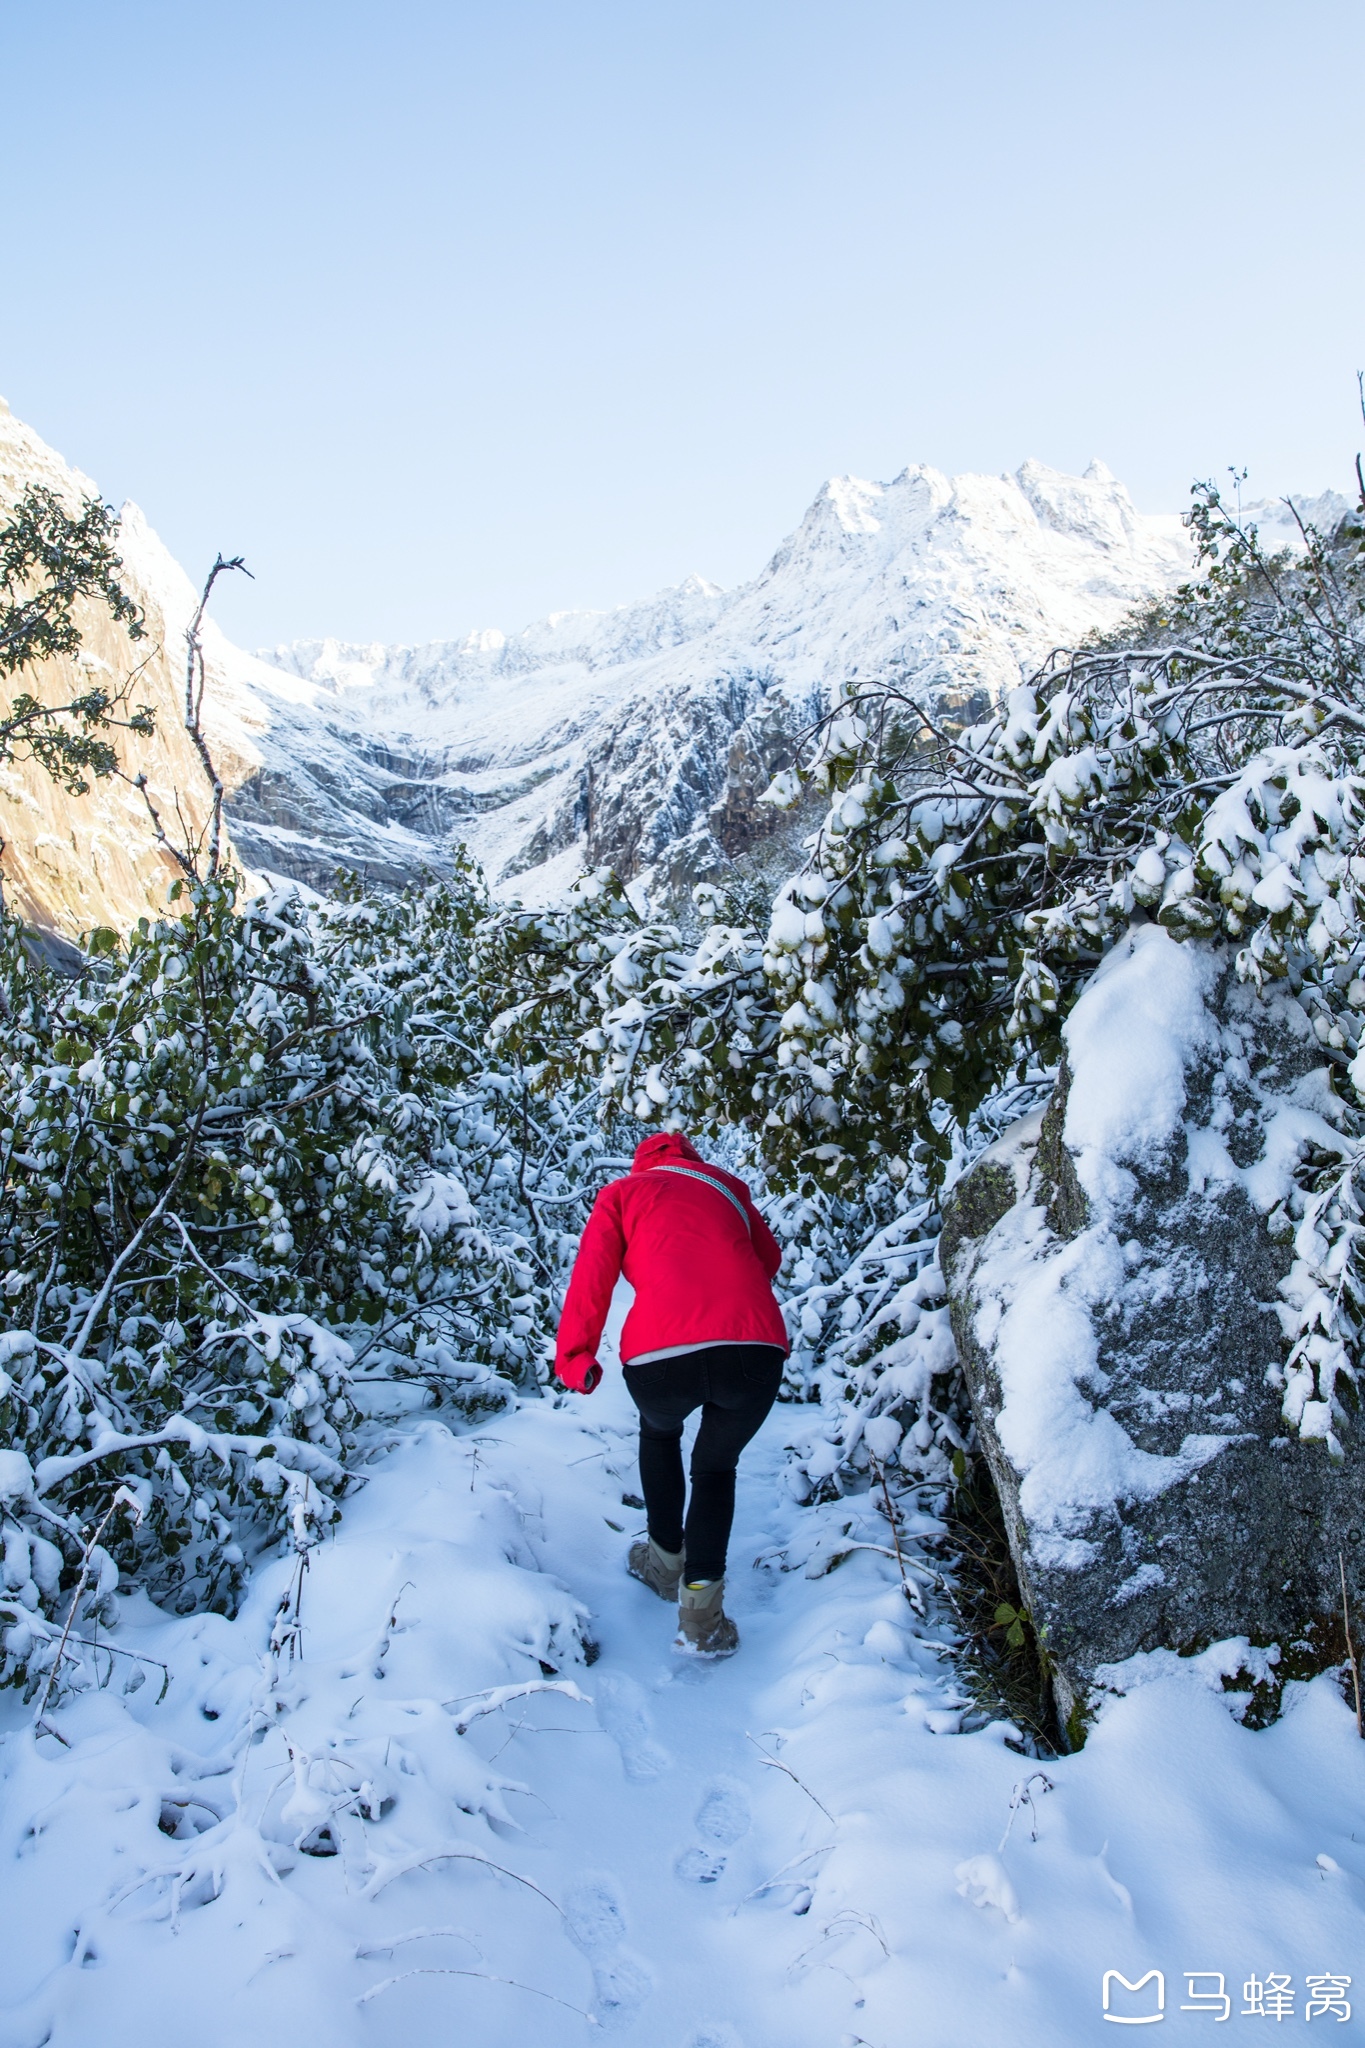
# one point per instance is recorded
(664, 1145)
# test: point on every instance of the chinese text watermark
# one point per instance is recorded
(1141, 2001)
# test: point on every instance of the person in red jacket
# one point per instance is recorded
(704, 1331)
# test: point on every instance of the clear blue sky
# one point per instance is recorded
(449, 315)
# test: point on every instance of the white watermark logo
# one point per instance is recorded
(1157, 1998)
(1141, 2002)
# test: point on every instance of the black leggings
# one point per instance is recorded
(734, 1385)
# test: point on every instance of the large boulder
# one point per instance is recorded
(1118, 1268)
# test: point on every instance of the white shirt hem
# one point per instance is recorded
(707, 1344)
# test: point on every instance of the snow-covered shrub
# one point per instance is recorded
(870, 1341)
(254, 1159)
(1202, 769)
(866, 1306)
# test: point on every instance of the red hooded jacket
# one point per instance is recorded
(700, 1277)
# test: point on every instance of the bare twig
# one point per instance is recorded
(779, 1877)
(123, 1498)
(386, 1948)
(137, 1656)
(835, 1558)
(836, 1930)
(194, 702)
(773, 1764)
(501, 1695)
(443, 1970)
(187, 856)
(183, 860)
(1350, 1646)
(1022, 1795)
(461, 1854)
(286, 1631)
(912, 1594)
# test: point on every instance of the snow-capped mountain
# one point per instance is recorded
(640, 737)
(643, 737)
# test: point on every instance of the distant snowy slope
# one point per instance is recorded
(643, 736)
(1276, 520)
(640, 737)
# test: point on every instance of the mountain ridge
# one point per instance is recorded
(650, 730)
(640, 737)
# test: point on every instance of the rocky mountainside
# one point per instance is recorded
(69, 863)
(643, 737)
(640, 737)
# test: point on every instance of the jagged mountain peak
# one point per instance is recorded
(642, 735)
(929, 515)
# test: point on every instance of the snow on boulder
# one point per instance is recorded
(1120, 1271)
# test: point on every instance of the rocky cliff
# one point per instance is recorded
(1118, 1269)
(70, 863)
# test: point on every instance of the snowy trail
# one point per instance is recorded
(647, 1866)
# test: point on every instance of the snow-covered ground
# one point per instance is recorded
(792, 1849)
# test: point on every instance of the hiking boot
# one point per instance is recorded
(655, 1567)
(704, 1628)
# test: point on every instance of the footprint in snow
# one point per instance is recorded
(594, 1915)
(700, 1866)
(595, 1920)
(624, 1715)
(723, 1815)
(622, 1984)
(722, 1820)
(721, 2036)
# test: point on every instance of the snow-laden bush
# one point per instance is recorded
(1203, 770)
(256, 1161)
(866, 1307)
(870, 1341)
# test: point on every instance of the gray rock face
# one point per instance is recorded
(672, 787)
(1114, 1268)
(643, 738)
